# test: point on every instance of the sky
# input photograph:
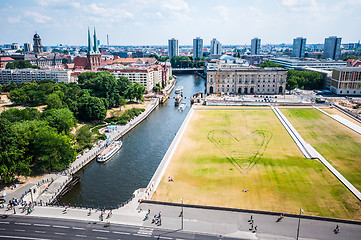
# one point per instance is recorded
(153, 22)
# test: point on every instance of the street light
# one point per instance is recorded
(181, 213)
(299, 221)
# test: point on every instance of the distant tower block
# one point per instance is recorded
(107, 40)
(38, 48)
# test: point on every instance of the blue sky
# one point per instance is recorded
(152, 22)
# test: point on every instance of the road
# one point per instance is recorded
(35, 228)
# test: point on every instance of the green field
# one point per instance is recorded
(338, 144)
(224, 152)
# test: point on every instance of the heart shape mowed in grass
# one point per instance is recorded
(243, 153)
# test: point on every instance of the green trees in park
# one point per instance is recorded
(61, 119)
(349, 57)
(185, 62)
(88, 100)
(91, 108)
(20, 64)
(83, 137)
(268, 64)
(30, 144)
(304, 79)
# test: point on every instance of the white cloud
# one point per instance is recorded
(47, 2)
(175, 5)
(37, 17)
(223, 11)
(109, 14)
(14, 19)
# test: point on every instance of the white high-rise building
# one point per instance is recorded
(216, 47)
(197, 48)
(173, 49)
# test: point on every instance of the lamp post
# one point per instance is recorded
(299, 222)
(181, 214)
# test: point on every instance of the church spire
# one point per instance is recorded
(96, 47)
(90, 45)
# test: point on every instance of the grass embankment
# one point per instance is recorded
(224, 152)
(337, 143)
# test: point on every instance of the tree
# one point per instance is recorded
(16, 115)
(91, 108)
(51, 150)
(269, 64)
(64, 61)
(54, 101)
(291, 83)
(61, 119)
(305, 79)
(20, 64)
(84, 137)
(138, 91)
(350, 57)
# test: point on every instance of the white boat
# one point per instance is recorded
(179, 89)
(182, 106)
(110, 151)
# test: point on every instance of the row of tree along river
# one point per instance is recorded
(113, 182)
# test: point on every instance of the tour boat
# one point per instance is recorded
(110, 151)
(177, 99)
(179, 89)
(182, 106)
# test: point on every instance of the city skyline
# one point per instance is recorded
(277, 21)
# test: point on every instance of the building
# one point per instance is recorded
(38, 48)
(173, 48)
(332, 48)
(28, 47)
(292, 63)
(146, 75)
(299, 47)
(32, 75)
(245, 80)
(15, 46)
(216, 47)
(94, 56)
(5, 60)
(255, 46)
(353, 63)
(256, 59)
(197, 48)
(346, 81)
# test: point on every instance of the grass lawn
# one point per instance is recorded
(338, 144)
(224, 152)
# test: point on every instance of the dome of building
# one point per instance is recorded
(36, 35)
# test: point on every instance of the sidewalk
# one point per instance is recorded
(208, 221)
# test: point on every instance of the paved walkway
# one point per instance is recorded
(157, 177)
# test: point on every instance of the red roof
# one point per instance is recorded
(6, 59)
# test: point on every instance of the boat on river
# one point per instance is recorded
(182, 106)
(179, 89)
(178, 100)
(110, 151)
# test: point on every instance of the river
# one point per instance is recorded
(111, 183)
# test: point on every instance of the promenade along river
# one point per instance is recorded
(111, 183)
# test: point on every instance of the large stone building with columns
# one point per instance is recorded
(243, 80)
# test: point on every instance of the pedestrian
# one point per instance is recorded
(255, 228)
(14, 210)
(337, 229)
(148, 211)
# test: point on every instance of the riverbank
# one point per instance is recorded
(48, 187)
